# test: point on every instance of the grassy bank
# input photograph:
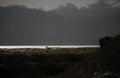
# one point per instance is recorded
(101, 62)
(39, 63)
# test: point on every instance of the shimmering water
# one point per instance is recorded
(51, 46)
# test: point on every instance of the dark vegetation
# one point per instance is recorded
(101, 62)
(38, 63)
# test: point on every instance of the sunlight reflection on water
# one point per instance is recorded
(52, 46)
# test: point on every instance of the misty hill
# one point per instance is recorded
(100, 8)
(64, 25)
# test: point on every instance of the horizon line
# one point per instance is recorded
(47, 46)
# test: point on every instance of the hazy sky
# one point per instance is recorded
(19, 25)
(46, 4)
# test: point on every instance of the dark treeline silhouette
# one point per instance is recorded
(64, 25)
(105, 41)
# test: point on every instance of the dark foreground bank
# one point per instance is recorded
(101, 62)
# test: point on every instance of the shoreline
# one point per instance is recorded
(48, 46)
